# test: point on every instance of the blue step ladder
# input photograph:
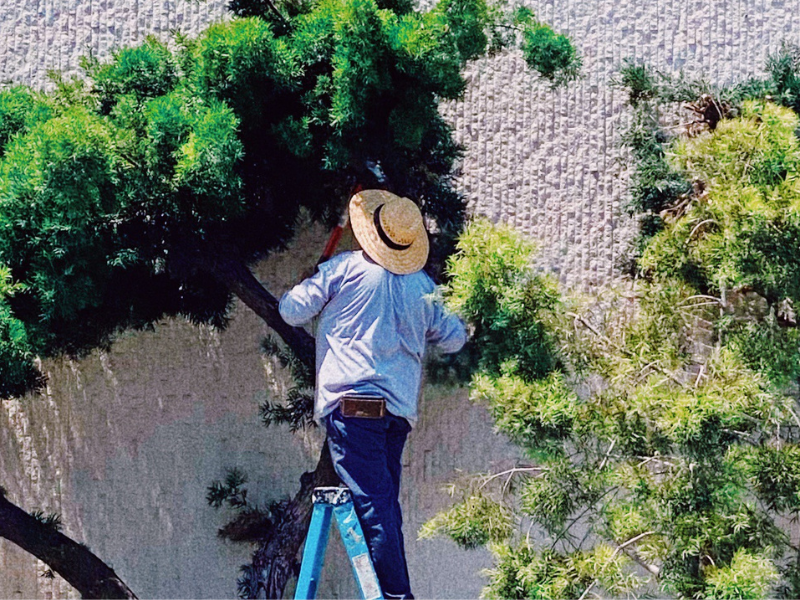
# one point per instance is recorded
(338, 502)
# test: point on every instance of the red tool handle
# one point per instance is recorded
(336, 233)
(333, 242)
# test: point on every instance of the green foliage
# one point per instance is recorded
(743, 230)
(660, 188)
(782, 84)
(469, 20)
(492, 288)
(557, 494)
(776, 477)
(473, 522)
(784, 71)
(231, 491)
(71, 194)
(123, 195)
(297, 408)
(250, 524)
(57, 183)
(20, 108)
(757, 149)
(17, 371)
(647, 88)
(538, 415)
(651, 433)
(243, 64)
(639, 80)
(655, 184)
(132, 194)
(146, 71)
(701, 412)
(524, 572)
(206, 166)
(549, 53)
(748, 576)
(767, 347)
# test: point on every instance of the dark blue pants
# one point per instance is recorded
(366, 454)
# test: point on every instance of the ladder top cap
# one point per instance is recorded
(331, 495)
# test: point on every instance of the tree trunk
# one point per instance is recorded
(275, 560)
(73, 561)
(239, 279)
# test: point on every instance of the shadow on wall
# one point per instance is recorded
(124, 444)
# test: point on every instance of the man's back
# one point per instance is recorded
(373, 329)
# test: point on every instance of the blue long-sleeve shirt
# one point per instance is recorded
(372, 332)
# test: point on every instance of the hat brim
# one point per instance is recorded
(362, 219)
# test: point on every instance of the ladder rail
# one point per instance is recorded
(338, 503)
(314, 552)
(357, 551)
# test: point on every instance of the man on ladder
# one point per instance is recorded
(377, 313)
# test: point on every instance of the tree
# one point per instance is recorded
(40, 535)
(660, 419)
(147, 188)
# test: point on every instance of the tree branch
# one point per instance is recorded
(619, 549)
(277, 13)
(73, 561)
(625, 351)
(238, 278)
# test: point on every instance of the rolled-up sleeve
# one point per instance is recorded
(447, 331)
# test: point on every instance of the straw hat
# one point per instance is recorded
(390, 230)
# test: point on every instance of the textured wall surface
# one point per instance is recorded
(124, 443)
(549, 162)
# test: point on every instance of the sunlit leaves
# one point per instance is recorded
(121, 191)
(538, 415)
(20, 108)
(524, 572)
(748, 576)
(744, 230)
(493, 287)
(645, 445)
(206, 164)
(145, 71)
(475, 521)
(57, 187)
(244, 64)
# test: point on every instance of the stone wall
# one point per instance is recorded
(124, 443)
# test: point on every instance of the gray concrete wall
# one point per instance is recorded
(124, 443)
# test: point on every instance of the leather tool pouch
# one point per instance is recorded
(364, 407)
